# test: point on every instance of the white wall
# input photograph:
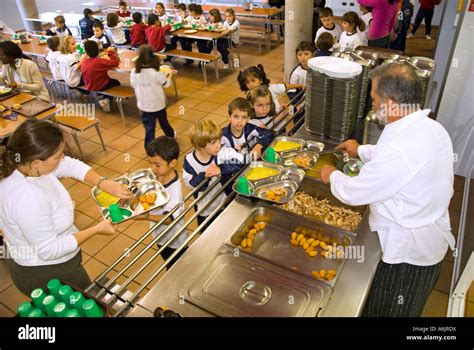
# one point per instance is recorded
(456, 110)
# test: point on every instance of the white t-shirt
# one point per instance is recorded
(335, 31)
(163, 19)
(148, 86)
(298, 76)
(52, 58)
(175, 191)
(277, 90)
(68, 68)
(37, 215)
(235, 30)
(117, 35)
(351, 40)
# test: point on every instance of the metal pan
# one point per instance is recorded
(289, 186)
(292, 159)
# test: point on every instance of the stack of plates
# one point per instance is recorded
(346, 94)
(372, 129)
(319, 103)
(426, 79)
(367, 66)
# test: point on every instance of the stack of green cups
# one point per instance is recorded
(72, 313)
(65, 293)
(24, 309)
(53, 288)
(60, 309)
(48, 304)
(91, 309)
(36, 313)
(37, 297)
(76, 301)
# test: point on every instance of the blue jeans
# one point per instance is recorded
(427, 15)
(149, 122)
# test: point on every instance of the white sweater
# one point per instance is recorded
(37, 213)
(148, 86)
(52, 58)
(68, 67)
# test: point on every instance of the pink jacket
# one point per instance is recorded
(384, 17)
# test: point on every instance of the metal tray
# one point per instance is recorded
(289, 159)
(8, 95)
(273, 242)
(289, 176)
(289, 186)
(245, 286)
(312, 146)
(33, 107)
(139, 182)
(333, 158)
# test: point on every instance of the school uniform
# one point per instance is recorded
(228, 160)
(251, 134)
(138, 36)
(175, 192)
(351, 40)
(297, 76)
(336, 32)
(103, 40)
(277, 90)
(201, 44)
(223, 43)
(117, 34)
(156, 37)
(60, 32)
(52, 59)
(86, 26)
(68, 69)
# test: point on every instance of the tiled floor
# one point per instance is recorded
(125, 151)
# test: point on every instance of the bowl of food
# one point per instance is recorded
(4, 90)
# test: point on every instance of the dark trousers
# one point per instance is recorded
(174, 43)
(149, 122)
(403, 26)
(382, 42)
(28, 278)
(112, 83)
(401, 290)
(427, 15)
(166, 253)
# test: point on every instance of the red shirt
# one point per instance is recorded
(125, 14)
(138, 34)
(429, 4)
(94, 71)
(156, 36)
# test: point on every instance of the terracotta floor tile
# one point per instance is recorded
(94, 268)
(124, 142)
(137, 150)
(79, 192)
(437, 305)
(124, 129)
(202, 94)
(68, 182)
(122, 163)
(109, 173)
(82, 221)
(221, 99)
(96, 243)
(5, 279)
(114, 249)
(12, 297)
(137, 229)
(191, 115)
(444, 280)
(180, 125)
(189, 102)
(5, 312)
(102, 158)
(138, 132)
(207, 106)
(107, 135)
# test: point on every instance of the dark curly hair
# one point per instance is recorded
(255, 71)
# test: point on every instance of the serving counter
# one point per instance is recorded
(216, 277)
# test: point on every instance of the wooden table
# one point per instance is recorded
(126, 60)
(265, 12)
(72, 19)
(8, 126)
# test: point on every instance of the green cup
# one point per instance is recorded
(60, 309)
(270, 155)
(91, 309)
(37, 296)
(36, 313)
(48, 304)
(24, 309)
(64, 293)
(53, 287)
(194, 26)
(76, 300)
(115, 213)
(72, 313)
(243, 186)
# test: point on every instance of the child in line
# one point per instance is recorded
(100, 37)
(138, 36)
(328, 25)
(69, 63)
(209, 160)
(324, 44)
(94, 71)
(163, 154)
(123, 12)
(180, 15)
(155, 33)
(255, 76)
(260, 98)
(352, 35)
(115, 26)
(304, 51)
(87, 23)
(60, 29)
(52, 57)
(148, 83)
(240, 131)
(160, 11)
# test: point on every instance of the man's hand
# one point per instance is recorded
(326, 172)
(213, 170)
(350, 147)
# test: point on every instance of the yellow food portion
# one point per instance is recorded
(261, 173)
(323, 274)
(148, 200)
(105, 199)
(276, 194)
(249, 236)
(325, 159)
(282, 146)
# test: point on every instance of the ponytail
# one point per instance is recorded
(354, 20)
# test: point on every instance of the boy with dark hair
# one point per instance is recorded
(304, 51)
(60, 29)
(163, 153)
(52, 57)
(155, 33)
(94, 71)
(324, 45)
(240, 132)
(138, 36)
(328, 25)
(123, 12)
(99, 36)
(86, 24)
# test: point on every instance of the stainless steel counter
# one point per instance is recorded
(346, 298)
